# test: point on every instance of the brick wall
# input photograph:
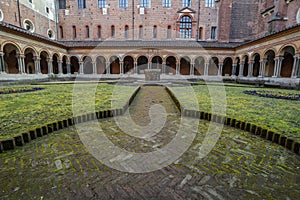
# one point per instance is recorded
(41, 22)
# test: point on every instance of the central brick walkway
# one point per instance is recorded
(240, 166)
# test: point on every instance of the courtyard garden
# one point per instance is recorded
(279, 114)
(60, 166)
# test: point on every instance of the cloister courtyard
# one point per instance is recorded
(63, 140)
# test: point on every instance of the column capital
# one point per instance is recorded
(49, 60)
(278, 58)
(36, 58)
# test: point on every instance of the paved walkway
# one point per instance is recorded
(241, 166)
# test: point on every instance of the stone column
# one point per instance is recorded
(94, 68)
(81, 68)
(121, 67)
(60, 70)
(192, 69)
(135, 68)
(220, 69)
(37, 65)
(177, 68)
(69, 68)
(149, 65)
(277, 69)
(241, 72)
(250, 69)
(262, 68)
(234, 67)
(21, 64)
(163, 68)
(206, 69)
(108, 68)
(2, 65)
(50, 66)
(295, 67)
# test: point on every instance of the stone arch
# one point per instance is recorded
(245, 61)
(199, 65)
(74, 61)
(30, 55)
(156, 63)
(17, 46)
(227, 66)
(142, 64)
(288, 54)
(256, 64)
(185, 65)
(114, 64)
(64, 64)
(237, 62)
(213, 66)
(290, 48)
(55, 60)
(101, 64)
(11, 51)
(269, 58)
(171, 63)
(44, 57)
(128, 64)
(87, 65)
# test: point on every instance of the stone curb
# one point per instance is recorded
(272, 136)
(26, 137)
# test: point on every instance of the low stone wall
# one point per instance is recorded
(26, 137)
(278, 138)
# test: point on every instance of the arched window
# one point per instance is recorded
(155, 31)
(126, 31)
(61, 30)
(113, 31)
(87, 29)
(169, 32)
(99, 32)
(185, 27)
(141, 32)
(74, 32)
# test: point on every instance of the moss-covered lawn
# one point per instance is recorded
(276, 114)
(24, 111)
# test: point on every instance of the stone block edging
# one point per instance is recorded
(26, 137)
(275, 137)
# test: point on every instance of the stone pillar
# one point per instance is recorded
(277, 69)
(60, 71)
(192, 69)
(163, 68)
(135, 68)
(69, 68)
(241, 72)
(81, 68)
(234, 67)
(94, 67)
(149, 65)
(250, 69)
(2, 65)
(206, 69)
(295, 67)
(21, 64)
(220, 69)
(121, 67)
(177, 68)
(37, 65)
(262, 68)
(108, 68)
(50, 66)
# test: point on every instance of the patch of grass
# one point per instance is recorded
(275, 114)
(24, 111)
